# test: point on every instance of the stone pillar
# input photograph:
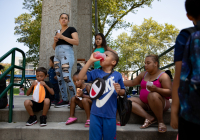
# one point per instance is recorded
(80, 17)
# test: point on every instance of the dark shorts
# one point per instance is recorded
(38, 106)
(188, 130)
(3, 103)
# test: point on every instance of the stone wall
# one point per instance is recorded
(80, 12)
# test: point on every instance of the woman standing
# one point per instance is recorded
(64, 58)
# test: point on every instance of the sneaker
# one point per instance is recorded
(43, 120)
(61, 104)
(32, 120)
(53, 103)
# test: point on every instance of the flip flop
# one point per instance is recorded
(162, 128)
(87, 124)
(147, 123)
(70, 120)
(118, 123)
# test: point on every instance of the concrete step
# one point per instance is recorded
(60, 114)
(77, 131)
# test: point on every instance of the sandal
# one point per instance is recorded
(118, 123)
(147, 123)
(87, 124)
(70, 120)
(162, 128)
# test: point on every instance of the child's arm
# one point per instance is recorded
(82, 74)
(118, 89)
(47, 87)
(175, 98)
(28, 92)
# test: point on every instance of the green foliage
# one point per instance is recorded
(147, 38)
(111, 12)
(29, 28)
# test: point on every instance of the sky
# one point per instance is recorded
(164, 11)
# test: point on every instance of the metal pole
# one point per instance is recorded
(11, 89)
(96, 18)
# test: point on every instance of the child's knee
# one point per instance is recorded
(27, 103)
(73, 99)
(84, 100)
(46, 101)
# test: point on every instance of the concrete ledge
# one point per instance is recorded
(77, 131)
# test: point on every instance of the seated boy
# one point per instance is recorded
(103, 110)
(41, 98)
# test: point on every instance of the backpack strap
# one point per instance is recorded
(189, 30)
(105, 77)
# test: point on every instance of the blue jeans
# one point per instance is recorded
(63, 63)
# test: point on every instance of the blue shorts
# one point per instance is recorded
(102, 127)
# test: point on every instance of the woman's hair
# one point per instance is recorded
(65, 14)
(155, 58)
(1, 67)
(104, 45)
(52, 58)
(22, 86)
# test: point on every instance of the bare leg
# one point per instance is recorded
(87, 105)
(74, 102)
(46, 106)
(28, 105)
(138, 107)
(156, 103)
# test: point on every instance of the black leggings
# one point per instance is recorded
(3, 103)
(188, 130)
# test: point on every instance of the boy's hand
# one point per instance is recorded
(93, 59)
(174, 120)
(55, 77)
(43, 83)
(117, 87)
(34, 83)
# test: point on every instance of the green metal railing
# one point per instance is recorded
(12, 68)
(137, 71)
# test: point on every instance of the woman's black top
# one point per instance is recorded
(66, 33)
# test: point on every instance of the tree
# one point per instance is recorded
(111, 12)
(147, 38)
(110, 16)
(29, 28)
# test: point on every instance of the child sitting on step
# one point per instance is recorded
(82, 99)
(40, 99)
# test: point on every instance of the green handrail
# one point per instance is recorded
(11, 68)
(162, 54)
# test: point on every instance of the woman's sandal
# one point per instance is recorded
(147, 123)
(87, 124)
(70, 120)
(162, 128)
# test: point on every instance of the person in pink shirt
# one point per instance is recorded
(154, 97)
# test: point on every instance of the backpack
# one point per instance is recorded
(189, 88)
(98, 86)
(190, 70)
(124, 107)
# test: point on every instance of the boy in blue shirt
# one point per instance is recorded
(186, 122)
(103, 110)
(53, 80)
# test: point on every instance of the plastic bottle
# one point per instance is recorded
(99, 55)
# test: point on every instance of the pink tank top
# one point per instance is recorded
(144, 93)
